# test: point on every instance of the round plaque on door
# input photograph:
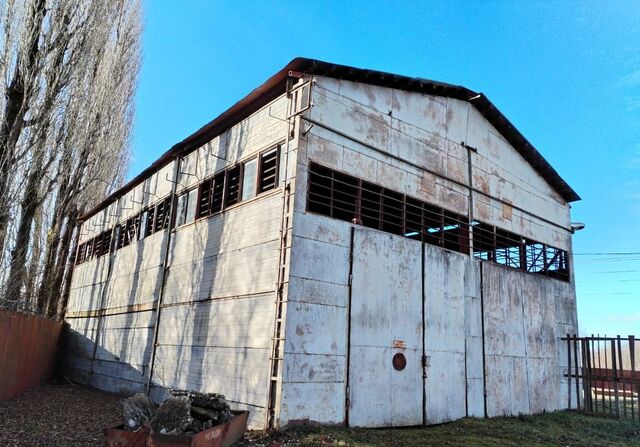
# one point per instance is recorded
(399, 361)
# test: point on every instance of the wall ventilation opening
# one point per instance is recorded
(342, 196)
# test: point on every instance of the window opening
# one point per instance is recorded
(249, 179)
(268, 175)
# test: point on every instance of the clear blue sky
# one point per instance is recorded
(566, 74)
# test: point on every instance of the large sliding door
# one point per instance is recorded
(386, 331)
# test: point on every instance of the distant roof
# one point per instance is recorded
(276, 84)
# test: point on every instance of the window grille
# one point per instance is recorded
(232, 189)
(348, 198)
(268, 172)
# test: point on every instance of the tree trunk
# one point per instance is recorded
(51, 255)
(16, 107)
(28, 207)
(65, 266)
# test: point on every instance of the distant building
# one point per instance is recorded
(343, 246)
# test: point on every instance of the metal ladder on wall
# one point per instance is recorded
(298, 101)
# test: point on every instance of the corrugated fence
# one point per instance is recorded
(28, 346)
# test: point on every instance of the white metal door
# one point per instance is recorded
(385, 321)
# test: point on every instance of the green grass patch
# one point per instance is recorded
(551, 429)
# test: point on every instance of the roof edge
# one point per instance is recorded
(275, 85)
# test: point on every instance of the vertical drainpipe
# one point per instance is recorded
(165, 268)
(100, 311)
(471, 150)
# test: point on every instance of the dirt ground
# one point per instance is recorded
(71, 416)
(58, 415)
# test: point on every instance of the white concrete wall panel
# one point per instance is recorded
(453, 335)
(525, 317)
(386, 319)
(227, 262)
(427, 131)
(314, 374)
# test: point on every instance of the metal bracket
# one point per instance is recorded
(466, 146)
(276, 117)
(209, 152)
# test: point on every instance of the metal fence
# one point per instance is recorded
(28, 346)
(603, 376)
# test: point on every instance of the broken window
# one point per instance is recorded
(162, 216)
(484, 241)
(232, 189)
(148, 231)
(181, 209)
(144, 220)
(97, 245)
(89, 250)
(320, 190)
(186, 207)
(268, 170)
(345, 192)
(210, 195)
(413, 219)
(192, 203)
(509, 249)
(104, 241)
(249, 179)
(392, 212)
(80, 254)
(350, 199)
(455, 232)
(370, 205)
(432, 233)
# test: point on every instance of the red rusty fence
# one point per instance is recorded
(603, 373)
(28, 346)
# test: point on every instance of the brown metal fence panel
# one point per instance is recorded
(604, 371)
(28, 346)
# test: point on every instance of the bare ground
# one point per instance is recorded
(58, 415)
(68, 415)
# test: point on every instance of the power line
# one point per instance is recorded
(621, 253)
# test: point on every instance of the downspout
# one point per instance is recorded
(165, 269)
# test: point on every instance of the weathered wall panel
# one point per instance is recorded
(427, 132)
(216, 323)
(453, 335)
(314, 374)
(524, 317)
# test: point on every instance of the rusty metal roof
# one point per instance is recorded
(275, 86)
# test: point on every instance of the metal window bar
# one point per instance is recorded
(268, 170)
(348, 198)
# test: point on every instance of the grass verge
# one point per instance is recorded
(552, 429)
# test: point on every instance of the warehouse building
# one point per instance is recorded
(342, 246)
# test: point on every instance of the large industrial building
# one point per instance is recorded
(342, 246)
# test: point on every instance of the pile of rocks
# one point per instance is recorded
(184, 412)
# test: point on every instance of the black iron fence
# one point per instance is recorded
(602, 375)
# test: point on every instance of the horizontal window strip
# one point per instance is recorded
(226, 188)
(351, 199)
